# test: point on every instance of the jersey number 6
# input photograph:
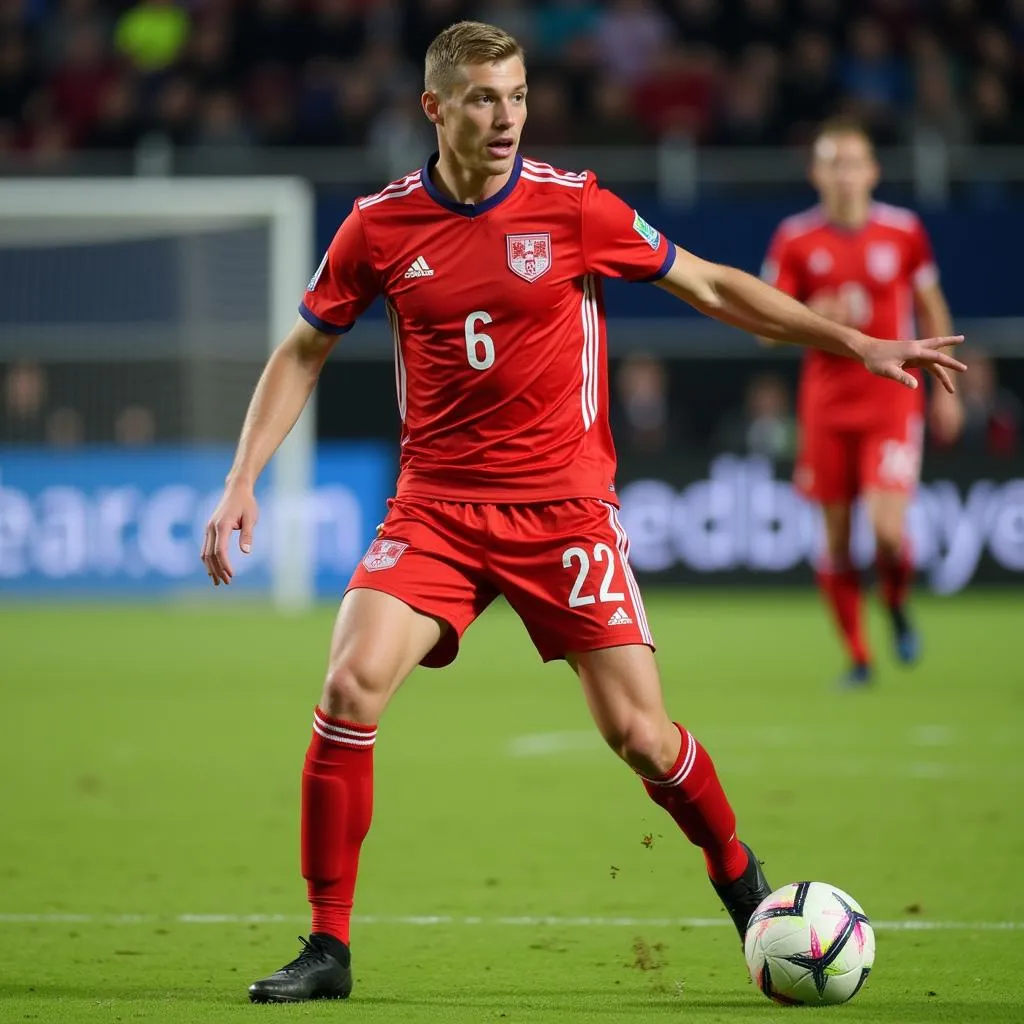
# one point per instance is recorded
(479, 346)
(601, 553)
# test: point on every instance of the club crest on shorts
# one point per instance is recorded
(383, 554)
(529, 256)
(883, 261)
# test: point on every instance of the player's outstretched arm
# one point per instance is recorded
(740, 299)
(284, 388)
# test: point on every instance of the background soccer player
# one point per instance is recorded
(869, 266)
(490, 266)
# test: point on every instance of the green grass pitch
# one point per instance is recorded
(151, 757)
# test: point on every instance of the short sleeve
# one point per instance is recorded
(618, 242)
(921, 264)
(780, 267)
(344, 284)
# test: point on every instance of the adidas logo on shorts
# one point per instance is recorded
(620, 618)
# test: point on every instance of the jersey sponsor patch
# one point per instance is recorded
(529, 256)
(316, 277)
(383, 554)
(883, 261)
(649, 234)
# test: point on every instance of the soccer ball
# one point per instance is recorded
(809, 944)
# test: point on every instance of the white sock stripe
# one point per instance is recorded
(344, 730)
(336, 730)
(342, 741)
(622, 543)
(683, 770)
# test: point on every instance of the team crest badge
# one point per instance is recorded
(529, 256)
(883, 261)
(383, 554)
(820, 262)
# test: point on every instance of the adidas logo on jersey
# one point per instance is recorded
(420, 268)
(620, 618)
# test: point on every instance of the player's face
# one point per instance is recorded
(844, 170)
(482, 119)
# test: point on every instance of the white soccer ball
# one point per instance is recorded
(809, 944)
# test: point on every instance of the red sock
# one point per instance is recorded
(337, 804)
(841, 588)
(894, 575)
(691, 793)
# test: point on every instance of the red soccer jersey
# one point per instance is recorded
(499, 327)
(875, 271)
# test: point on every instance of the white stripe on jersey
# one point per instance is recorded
(381, 196)
(400, 379)
(801, 223)
(394, 186)
(639, 612)
(551, 179)
(591, 347)
(538, 167)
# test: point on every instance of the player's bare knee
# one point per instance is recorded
(648, 745)
(355, 691)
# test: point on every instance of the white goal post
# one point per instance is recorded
(68, 209)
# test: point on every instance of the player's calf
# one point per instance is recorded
(323, 970)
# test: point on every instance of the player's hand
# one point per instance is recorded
(946, 418)
(237, 510)
(892, 359)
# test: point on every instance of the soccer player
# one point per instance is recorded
(867, 266)
(490, 265)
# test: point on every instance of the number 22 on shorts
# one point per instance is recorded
(602, 553)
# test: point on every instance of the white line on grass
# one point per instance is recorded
(430, 920)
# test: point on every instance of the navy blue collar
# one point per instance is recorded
(469, 209)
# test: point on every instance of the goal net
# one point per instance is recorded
(135, 316)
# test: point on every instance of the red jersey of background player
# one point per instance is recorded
(874, 272)
(498, 319)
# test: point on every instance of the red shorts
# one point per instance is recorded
(562, 566)
(835, 465)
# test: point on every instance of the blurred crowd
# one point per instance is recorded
(89, 74)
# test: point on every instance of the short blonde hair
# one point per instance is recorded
(466, 42)
(842, 124)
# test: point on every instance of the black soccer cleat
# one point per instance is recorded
(323, 970)
(858, 676)
(906, 640)
(741, 897)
